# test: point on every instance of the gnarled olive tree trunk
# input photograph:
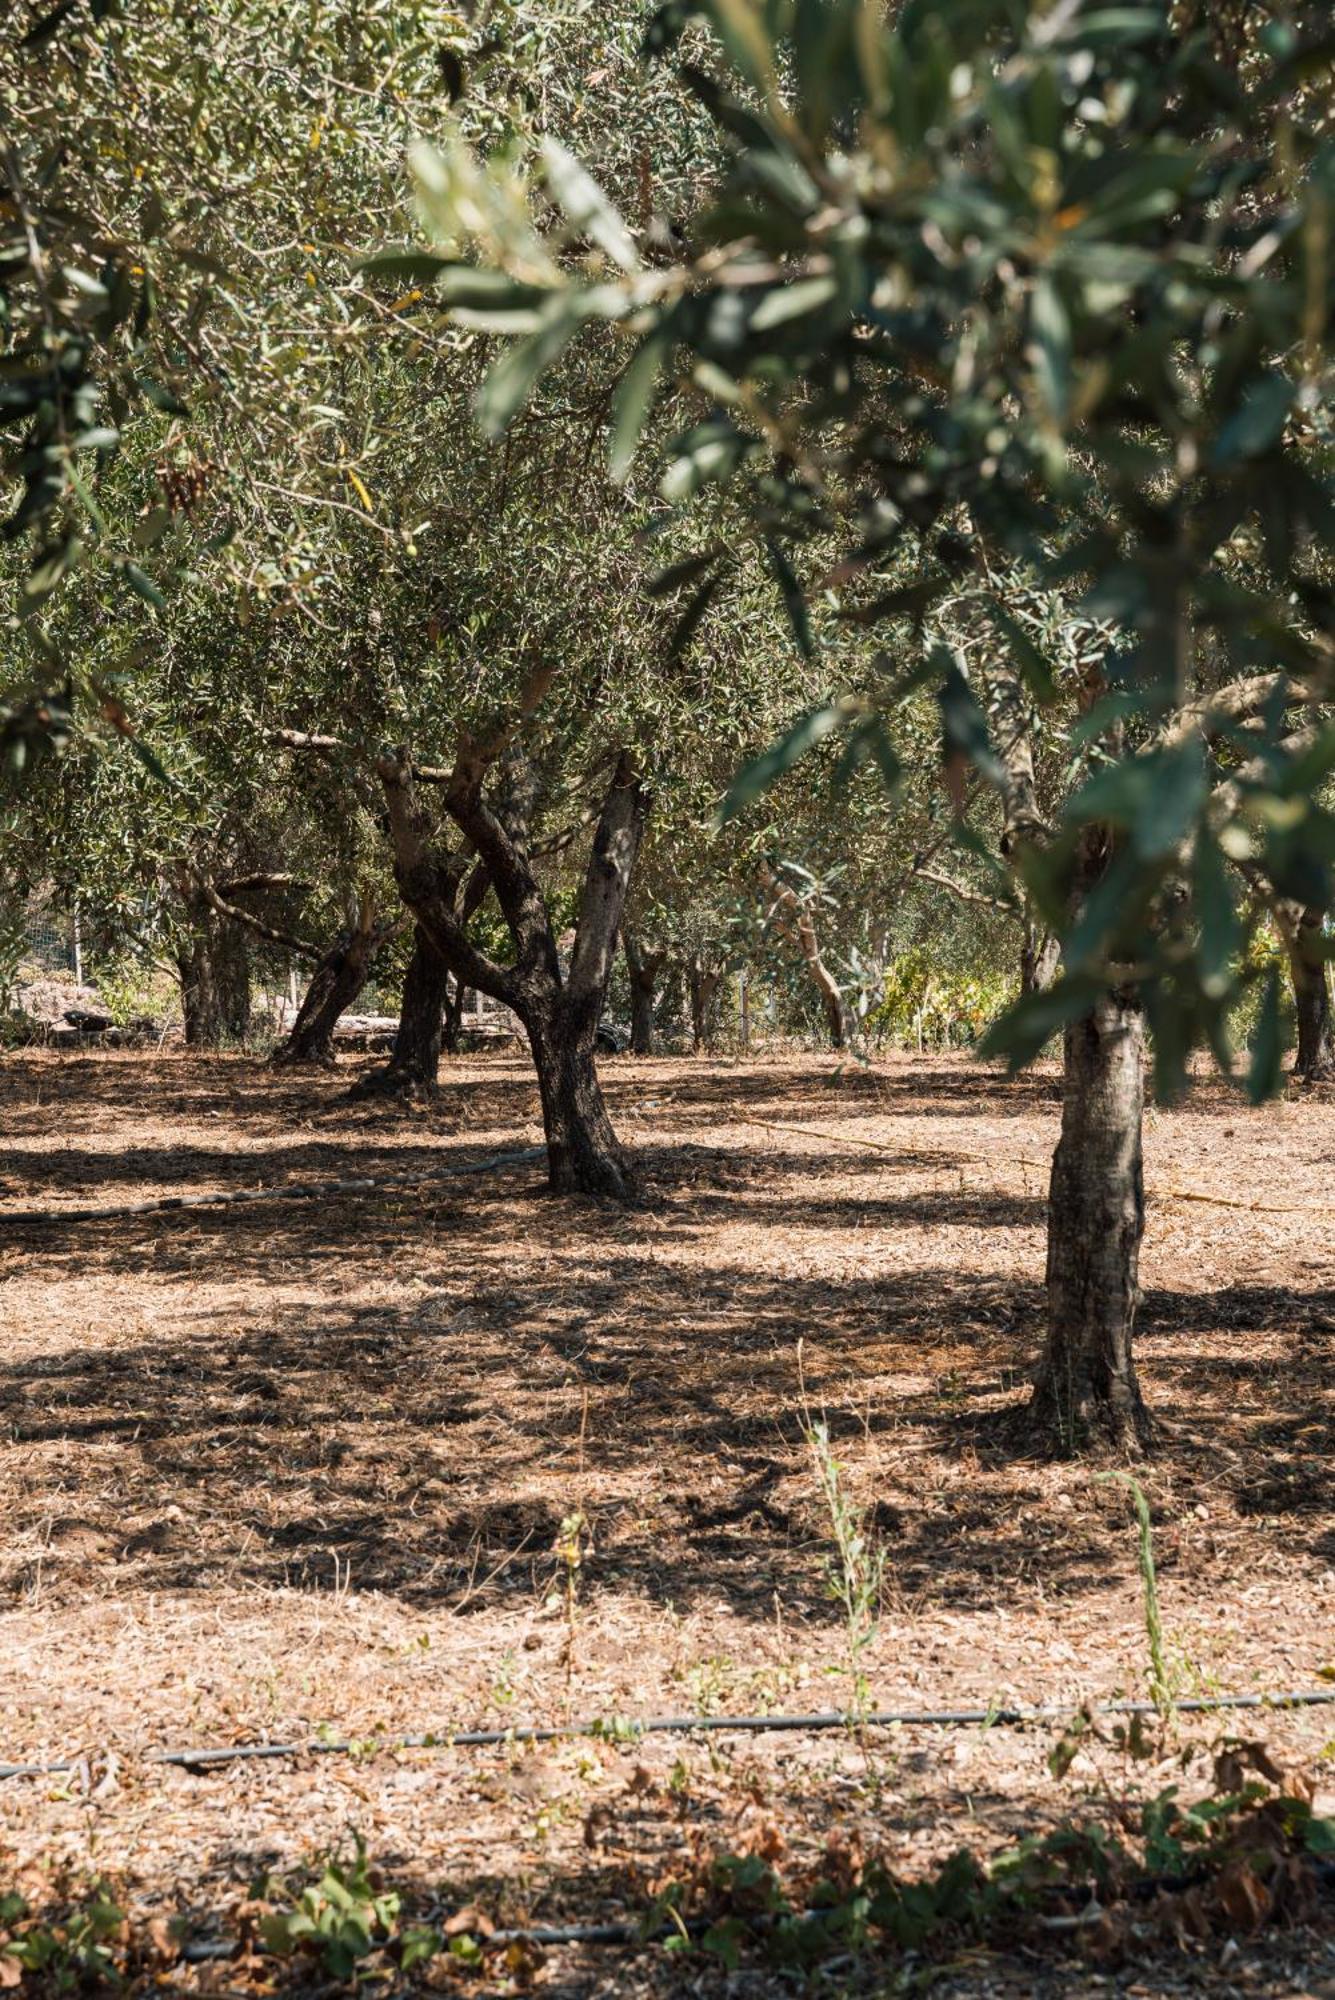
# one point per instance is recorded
(702, 990)
(559, 1009)
(795, 921)
(429, 1008)
(414, 1065)
(583, 1153)
(335, 984)
(1040, 958)
(1086, 1390)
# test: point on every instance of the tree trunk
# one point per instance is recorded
(335, 984)
(1040, 959)
(642, 1017)
(643, 969)
(837, 1021)
(836, 1015)
(703, 987)
(214, 971)
(798, 924)
(414, 1067)
(1310, 970)
(1086, 1389)
(583, 1153)
(231, 957)
(453, 1020)
(201, 1008)
(560, 1007)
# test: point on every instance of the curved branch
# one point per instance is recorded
(326, 746)
(1232, 703)
(797, 926)
(241, 884)
(964, 895)
(299, 946)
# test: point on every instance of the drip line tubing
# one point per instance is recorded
(618, 1729)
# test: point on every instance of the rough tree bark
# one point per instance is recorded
(1310, 972)
(1086, 1390)
(335, 984)
(1040, 958)
(559, 1011)
(200, 1006)
(583, 1152)
(414, 1066)
(213, 967)
(643, 968)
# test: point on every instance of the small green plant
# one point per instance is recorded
(854, 1574)
(1161, 1678)
(83, 1947)
(1228, 1862)
(503, 1680)
(615, 1729)
(338, 1920)
(708, 1681)
(132, 989)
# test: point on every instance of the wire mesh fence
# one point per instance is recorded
(50, 942)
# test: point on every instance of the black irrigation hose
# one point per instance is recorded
(622, 1730)
(204, 1951)
(294, 1191)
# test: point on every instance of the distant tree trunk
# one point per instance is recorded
(214, 972)
(453, 1022)
(1040, 959)
(201, 1007)
(429, 1013)
(414, 1067)
(232, 960)
(1086, 1390)
(643, 968)
(702, 985)
(796, 922)
(560, 1009)
(335, 984)
(1310, 971)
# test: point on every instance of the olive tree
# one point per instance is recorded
(986, 290)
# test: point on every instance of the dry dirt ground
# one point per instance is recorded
(310, 1467)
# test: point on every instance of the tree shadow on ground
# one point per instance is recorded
(420, 1386)
(423, 1445)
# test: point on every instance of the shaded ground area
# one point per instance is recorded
(282, 1467)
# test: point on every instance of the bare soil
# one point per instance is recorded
(308, 1466)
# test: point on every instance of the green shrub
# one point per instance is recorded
(926, 1004)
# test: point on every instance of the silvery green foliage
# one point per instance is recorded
(987, 293)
